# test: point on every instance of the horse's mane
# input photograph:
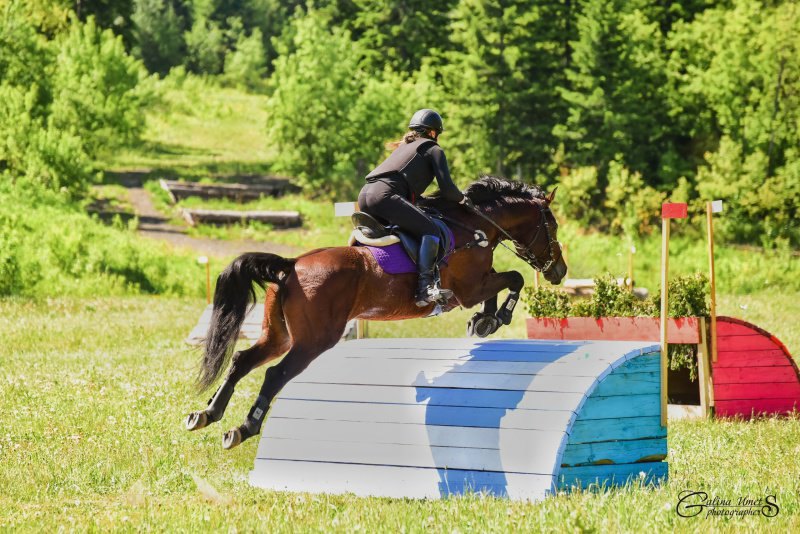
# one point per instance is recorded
(493, 188)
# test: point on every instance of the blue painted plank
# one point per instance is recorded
(597, 407)
(628, 384)
(626, 428)
(597, 477)
(617, 452)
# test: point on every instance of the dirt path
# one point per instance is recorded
(153, 225)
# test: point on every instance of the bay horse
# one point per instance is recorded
(310, 299)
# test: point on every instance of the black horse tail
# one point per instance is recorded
(234, 292)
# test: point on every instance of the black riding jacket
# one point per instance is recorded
(419, 162)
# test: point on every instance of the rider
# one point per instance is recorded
(395, 185)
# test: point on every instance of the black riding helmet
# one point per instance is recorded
(426, 119)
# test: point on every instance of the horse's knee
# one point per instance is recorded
(516, 281)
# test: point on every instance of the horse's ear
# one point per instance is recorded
(551, 196)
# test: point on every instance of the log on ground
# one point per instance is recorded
(284, 219)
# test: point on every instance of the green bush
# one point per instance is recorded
(687, 298)
(545, 302)
(48, 247)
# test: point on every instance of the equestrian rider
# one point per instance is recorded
(395, 185)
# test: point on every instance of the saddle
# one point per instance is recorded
(369, 231)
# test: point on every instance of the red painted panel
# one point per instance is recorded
(674, 210)
(682, 330)
(725, 328)
(744, 408)
(731, 343)
(761, 358)
(750, 375)
(754, 392)
(750, 326)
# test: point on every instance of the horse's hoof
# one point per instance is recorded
(482, 325)
(196, 421)
(231, 439)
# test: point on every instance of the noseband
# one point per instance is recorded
(524, 252)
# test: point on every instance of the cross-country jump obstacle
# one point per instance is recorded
(430, 418)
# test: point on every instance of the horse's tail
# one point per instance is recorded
(234, 292)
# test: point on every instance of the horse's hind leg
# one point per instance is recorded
(273, 343)
(298, 358)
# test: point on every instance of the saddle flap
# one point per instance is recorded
(368, 225)
(357, 236)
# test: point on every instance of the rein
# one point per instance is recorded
(528, 256)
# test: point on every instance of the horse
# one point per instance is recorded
(310, 299)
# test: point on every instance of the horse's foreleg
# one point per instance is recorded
(489, 319)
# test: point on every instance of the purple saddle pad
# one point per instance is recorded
(395, 260)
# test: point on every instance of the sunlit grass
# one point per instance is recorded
(92, 397)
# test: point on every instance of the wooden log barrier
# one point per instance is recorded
(284, 219)
(430, 418)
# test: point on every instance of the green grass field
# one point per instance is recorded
(92, 401)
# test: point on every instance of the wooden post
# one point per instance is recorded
(668, 211)
(203, 260)
(536, 280)
(712, 207)
(664, 316)
(704, 371)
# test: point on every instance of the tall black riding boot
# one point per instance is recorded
(428, 248)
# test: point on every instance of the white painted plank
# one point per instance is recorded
(444, 415)
(532, 400)
(400, 434)
(535, 456)
(408, 376)
(367, 366)
(386, 481)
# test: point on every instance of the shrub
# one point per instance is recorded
(687, 299)
(578, 193)
(544, 302)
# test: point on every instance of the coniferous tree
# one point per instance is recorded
(502, 78)
(616, 94)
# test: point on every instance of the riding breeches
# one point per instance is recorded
(387, 200)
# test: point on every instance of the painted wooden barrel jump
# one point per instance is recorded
(754, 372)
(430, 418)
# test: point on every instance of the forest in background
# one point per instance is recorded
(621, 104)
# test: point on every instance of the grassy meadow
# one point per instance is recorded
(93, 391)
(92, 440)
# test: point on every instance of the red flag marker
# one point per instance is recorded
(674, 210)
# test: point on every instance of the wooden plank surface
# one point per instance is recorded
(616, 452)
(680, 330)
(270, 186)
(606, 475)
(751, 375)
(276, 218)
(758, 358)
(397, 482)
(468, 418)
(744, 408)
(763, 390)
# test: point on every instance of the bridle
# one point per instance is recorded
(527, 255)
